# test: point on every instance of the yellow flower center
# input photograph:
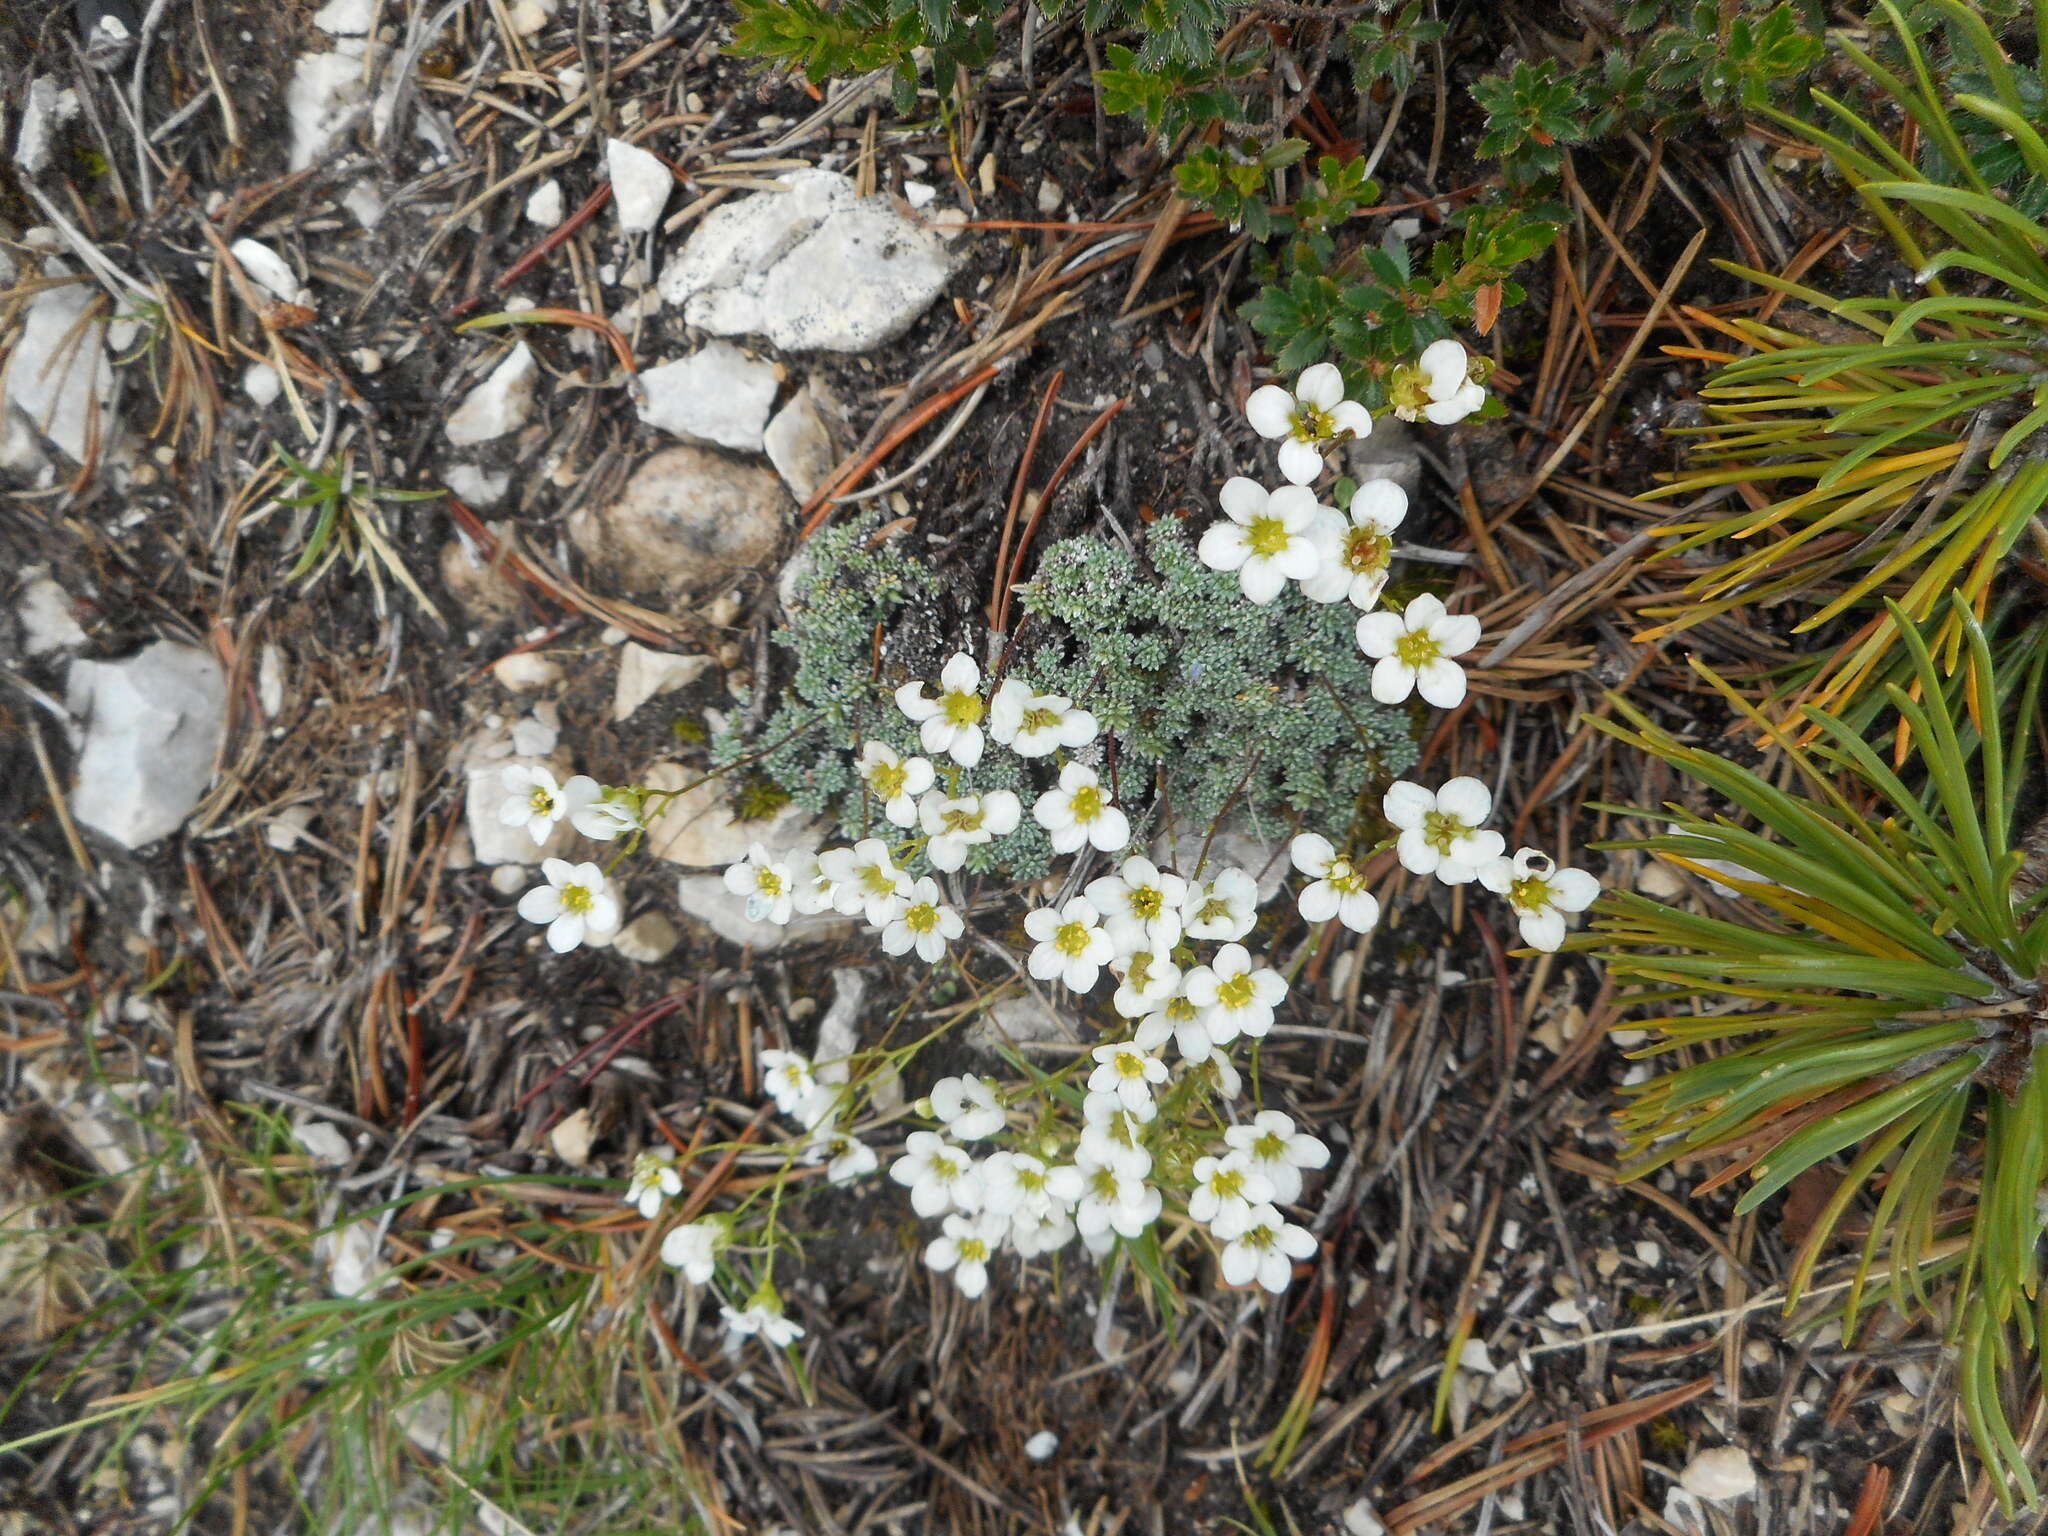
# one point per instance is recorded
(1531, 893)
(1147, 901)
(1369, 550)
(1312, 423)
(1440, 831)
(1259, 1238)
(767, 882)
(1039, 720)
(1129, 1064)
(1269, 1148)
(876, 880)
(540, 801)
(1226, 1183)
(1267, 536)
(1214, 910)
(1417, 648)
(1086, 803)
(1139, 973)
(1071, 938)
(889, 779)
(943, 1168)
(961, 708)
(577, 899)
(1102, 1183)
(1344, 876)
(922, 917)
(973, 1251)
(1179, 1009)
(1236, 992)
(957, 819)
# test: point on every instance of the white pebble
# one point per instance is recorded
(1041, 1445)
(1720, 1473)
(545, 206)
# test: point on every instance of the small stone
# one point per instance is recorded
(799, 445)
(482, 589)
(919, 193)
(509, 879)
(325, 98)
(1016, 1021)
(287, 828)
(688, 522)
(45, 109)
(346, 18)
(44, 609)
(1360, 1520)
(647, 940)
(1720, 1473)
(368, 360)
(365, 203)
(645, 674)
(527, 17)
(1389, 452)
(323, 1143)
(355, 1266)
(477, 487)
(571, 1140)
(860, 281)
(1050, 197)
(151, 727)
(1659, 881)
(1473, 1356)
(1041, 1446)
(545, 206)
(261, 384)
(1566, 1313)
(716, 395)
(58, 373)
(525, 669)
(705, 899)
(698, 828)
(641, 184)
(500, 404)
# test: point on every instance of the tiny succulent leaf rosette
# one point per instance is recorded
(1412, 651)
(1267, 536)
(1540, 893)
(576, 903)
(1305, 420)
(950, 723)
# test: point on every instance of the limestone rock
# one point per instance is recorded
(1720, 1473)
(500, 404)
(647, 940)
(699, 831)
(59, 374)
(483, 767)
(686, 523)
(481, 589)
(44, 609)
(151, 727)
(641, 184)
(799, 445)
(705, 899)
(716, 395)
(645, 674)
(325, 97)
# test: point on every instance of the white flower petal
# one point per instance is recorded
(1270, 410)
(1441, 682)
(1242, 499)
(1321, 385)
(1466, 798)
(1393, 679)
(1223, 547)
(1300, 462)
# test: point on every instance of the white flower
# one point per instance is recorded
(897, 781)
(1034, 1232)
(1235, 997)
(951, 723)
(654, 1179)
(1105, 1198)
(1077, 812)
(809, 891)
(1266, 538)
(1339, 885)
(1439, 385)
(1013, 1182)
(967, 1107)
(787, 1078)
(767, 883)
(1226, 1189)
(939, 1176)
(1140, 905)
(1316, 413)
(1540, 893)
(1356, 550)
(924, 923)
(1412, 652)
(1222, 907)
(577, 901)
(845, 1157)
(956, 823)
(536, 802)
(1129, 1073)
(1216, 1071)
(693, 1249)
(1112, 1134)
(1071, 943)
(965, 1246)
(600, 814)
(1176, 1018)
(1146, 978)
(1037, 724)
(1273, 1147)
(1440, 832)
(866, 880)
(1264, 1250)
(763, 1315)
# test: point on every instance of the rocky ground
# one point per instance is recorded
(256, 287)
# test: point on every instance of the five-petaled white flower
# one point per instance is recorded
(865, 880)
(1112, 1134)
(1126, 1072)
(923, 922)
(1077, 811)
(536, 802)
(1438, 385)
(965, 1245)
(1226, 1189)
(1140, 905)
(809, 891)
(1540, 893)
(1014, 1181)
(1412, 651)
(1070, 943)
(768, 884)
(1222, 907)
(939, 1176)
(788, 1080)
(897, 781)
(1105, 1198)
(653, 1180)
(1440, 832)
(951, 723)
(967, 1107)
(1037, 724)
(956, 823)
(1311, 416)
(611, 814)
(1338, 888)
(1273, 1147)
(1146, 978)
(1034, 1231)
(763, 1315)
(1266, 537)
(1176, 1018)
(693, 1249)
(1264, 1249)
(576, 902)
(1234, 996)
(1357, 546)
(846, 1157)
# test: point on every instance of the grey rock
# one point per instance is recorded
(799, 445)
(483, 766)
(645, 674)
(704, 899)
(647, 940)
(59, 374)
(716, 395)
(152, 725)
(686, 523)
(698, 830)
(500, 404)
(1389, 452)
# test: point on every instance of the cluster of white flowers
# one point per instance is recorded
(578, 900)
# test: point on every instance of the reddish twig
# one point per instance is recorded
(540, 252)
(819, 506)
(1045, 500)
(1045, 406)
